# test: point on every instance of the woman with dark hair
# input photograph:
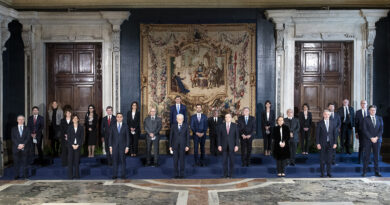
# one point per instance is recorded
(281, 151)
(267, 124)
(66, 122)
(133, 122)
(91, 119)
(75, 135)
(305, 120)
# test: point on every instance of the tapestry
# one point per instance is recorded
(208, 64)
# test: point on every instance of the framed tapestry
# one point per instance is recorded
(210, 64)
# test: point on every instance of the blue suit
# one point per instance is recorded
(119, 141)
(173, 112)
(201, 127)
(371, 131)
(326, 138)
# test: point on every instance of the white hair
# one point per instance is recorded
(179, 115)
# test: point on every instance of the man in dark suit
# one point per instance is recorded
(213, 124)
(347, 116)
(152, 125)
(336, 117)
(359, 117)
(35, 124)
(107, 122)
(373, 130)
(228, 144)
(326, 140)
(20, 139)
(179, 143)
(119, 144)
(199, 128)
(176, 109)
(247, 131)
(293, 124)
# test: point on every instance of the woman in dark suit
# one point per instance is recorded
(267, 124)
(64, 125)
(281, 151)
(305, 120)
(75, 135)
(133, 122)
(91, 120)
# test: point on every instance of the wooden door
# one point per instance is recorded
(74, 76)
(322, 75)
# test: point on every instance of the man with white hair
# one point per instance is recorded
(179, 142)
(326, 141)
(20, 138)
(347, 116)
(152, 125)
(359, 117)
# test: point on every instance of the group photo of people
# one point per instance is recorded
(118, 138)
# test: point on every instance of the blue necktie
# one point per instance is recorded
(119, 127)
(179, 127)
(20, 130)
(178, 109)
(246, 120)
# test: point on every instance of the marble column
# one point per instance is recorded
(6, 16)
(369, 30)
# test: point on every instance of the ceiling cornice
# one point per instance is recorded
(118, 4)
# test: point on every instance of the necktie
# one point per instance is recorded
(373, 121)
(327, 130)
(364, 113)
(246, 120)
(35, 120)
(109, 120)
(198, 117)
(332, 115)
(215, 119)
(345, 113)
(152, 117)
(20, 130)
(119, 127)
(178, 108)
(179, 127)
(227, 128)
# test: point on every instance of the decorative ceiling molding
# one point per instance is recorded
(64, 4)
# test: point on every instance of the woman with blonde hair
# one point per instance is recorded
(55, 114)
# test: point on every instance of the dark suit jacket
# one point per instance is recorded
(337, 119)
(94, 122)
(104, 129)
(247, 129)
(305, 123)
(173, 113)
(17, 139)
(179, 137)
(119, 140)
(64, 127)
(359, 121)
(351, 120)
(228, 140)
(370, 131)
(134, 123)
(321, 133)
(270, 122)
(279, 152)
(213, 126)
(79, 135)
(293, 126)
(39, 125)
(197, 126)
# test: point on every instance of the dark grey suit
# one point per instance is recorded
(326, 138)
(179, 139)
(228, 142)
(20, 156)
(293, 125)
(152, 126)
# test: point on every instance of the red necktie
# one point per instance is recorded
(109, 120)
(35, 120)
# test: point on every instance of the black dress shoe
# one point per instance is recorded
(225, 176)
(292, 164)
(76, 177)
(247, 164)
(123, 177)
(377, 174)
(16, 177)
(181, 177)
(176, 177)
(156, 165)
(330, 175)
(364, 175)
(322, 175)
(148, 164)
(243, 164)
(333, 163)
(114, 177)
